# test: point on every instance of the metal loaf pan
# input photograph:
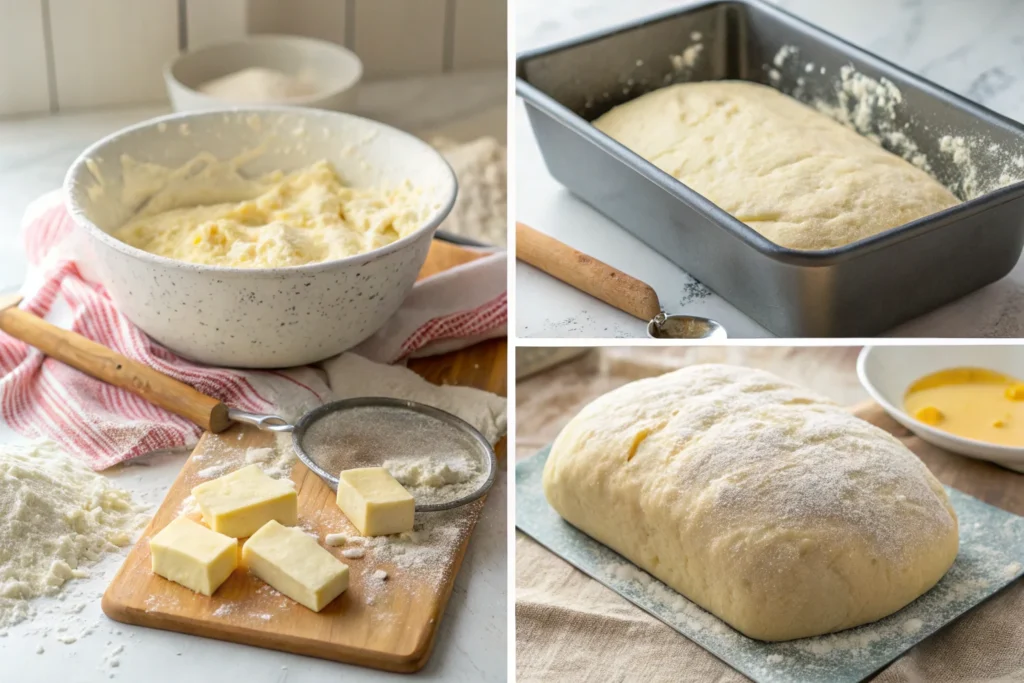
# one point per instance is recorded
(857, 290)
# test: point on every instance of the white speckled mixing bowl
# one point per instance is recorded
(259, 317)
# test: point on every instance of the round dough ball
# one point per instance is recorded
(772, 508)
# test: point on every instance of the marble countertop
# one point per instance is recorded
(473, 635)
(974, 49)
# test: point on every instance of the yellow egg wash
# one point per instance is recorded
(973, 403)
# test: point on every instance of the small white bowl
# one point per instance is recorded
(336, 69)
(259, 317)
(888, 371)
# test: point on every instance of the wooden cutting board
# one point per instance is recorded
(387, 624)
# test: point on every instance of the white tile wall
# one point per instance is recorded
(111, 52)
(215, 21)
(324, 19)
(479, 34)
(399, 37)
(23, 85)
(108, 52)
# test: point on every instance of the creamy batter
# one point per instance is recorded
(207, 213)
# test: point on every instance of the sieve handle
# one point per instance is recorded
(270, 423)
(586, 273)
(111, 367)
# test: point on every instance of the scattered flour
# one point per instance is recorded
(784, 53)
(684, 62)
(871, 107)
(426, 549)
(482, 204)
(224, 610)
(912, 625)
(276, 461)
(334, 540)
(112, 658)
(451, 471)
(188, 506)
(56, 518)
(214, 471)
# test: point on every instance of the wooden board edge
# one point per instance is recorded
(373, 659)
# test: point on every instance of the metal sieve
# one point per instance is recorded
(355, 432)
(362, 432)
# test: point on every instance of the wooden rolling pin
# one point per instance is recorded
(586, 273)
(111, 367)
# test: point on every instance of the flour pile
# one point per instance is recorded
(482, 204)
(56, 517)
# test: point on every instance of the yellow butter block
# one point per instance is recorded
(238, 504)
(190, 554)
(375, 502)
(295, 564)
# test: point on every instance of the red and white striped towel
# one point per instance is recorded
(42, 397)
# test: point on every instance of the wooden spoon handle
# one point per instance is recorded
(108, 366)
(586, 273)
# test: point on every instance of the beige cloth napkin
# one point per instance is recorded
(571, 628)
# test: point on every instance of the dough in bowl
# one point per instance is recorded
(774, 509)
(792, 174)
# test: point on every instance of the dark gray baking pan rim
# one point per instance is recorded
(824, 257)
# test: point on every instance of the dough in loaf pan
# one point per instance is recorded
(774, 509)
(794, 175)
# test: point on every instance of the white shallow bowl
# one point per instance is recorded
(336, 69)
(888, 371)
(260, 317)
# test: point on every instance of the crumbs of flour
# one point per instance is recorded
(445, 475)
(276, 461)
(684, 62)
(871, 106)
(234, 609)
(427, 549)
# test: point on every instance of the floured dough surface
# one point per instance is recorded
(794, 175)
(772, 508)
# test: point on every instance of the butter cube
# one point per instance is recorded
(238, 504)
(375, 502)
(295, 564)
(190, 554)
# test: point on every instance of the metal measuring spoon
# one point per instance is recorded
(664, 326)
(611, 286)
